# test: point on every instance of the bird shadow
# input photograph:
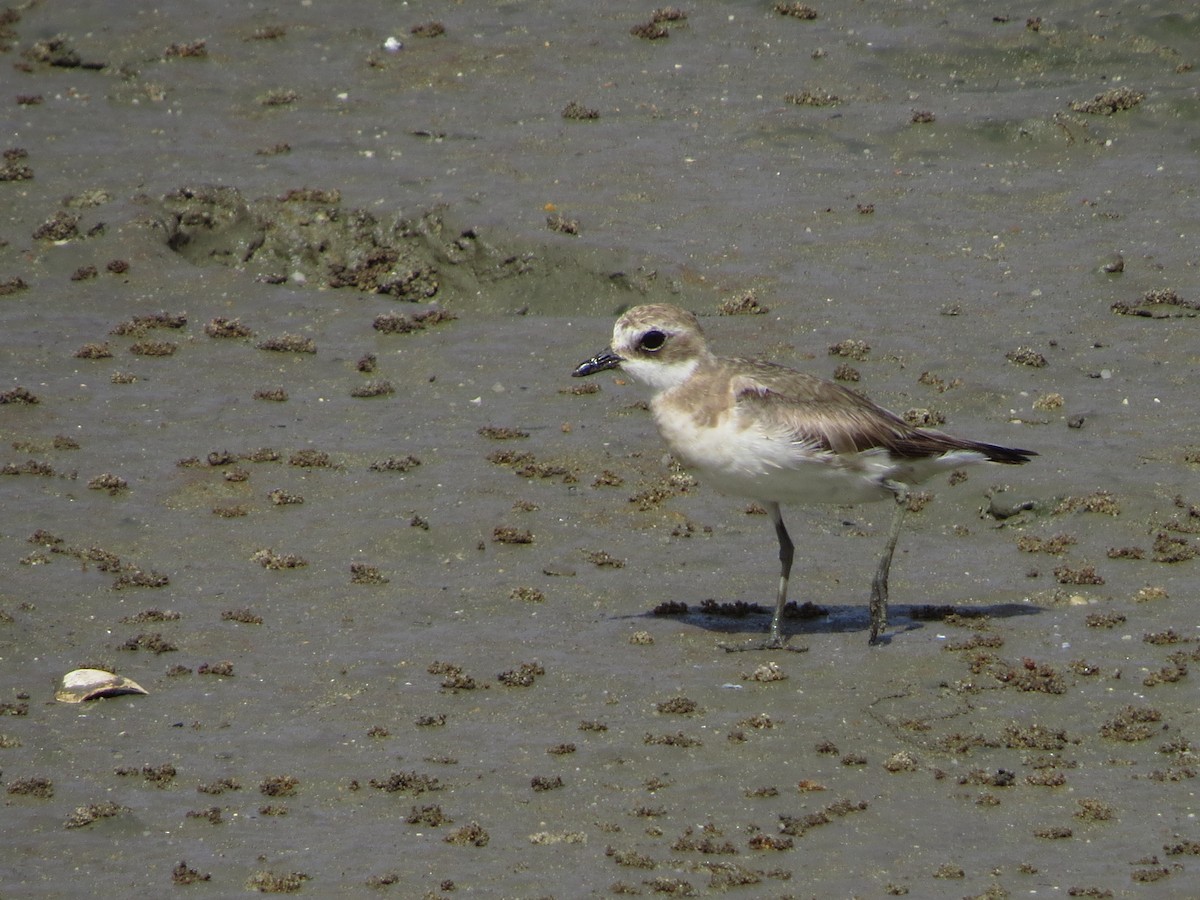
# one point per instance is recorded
(742, 618)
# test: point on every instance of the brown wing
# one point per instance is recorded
(813, 411)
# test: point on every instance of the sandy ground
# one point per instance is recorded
(249, 257)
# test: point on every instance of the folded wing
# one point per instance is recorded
(819, 414)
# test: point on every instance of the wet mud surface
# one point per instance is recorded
(289, 438)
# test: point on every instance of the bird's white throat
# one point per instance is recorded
(659, 374)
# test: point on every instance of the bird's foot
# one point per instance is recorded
(772, 642)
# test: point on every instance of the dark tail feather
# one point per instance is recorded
(1010, 456)
(928, 442)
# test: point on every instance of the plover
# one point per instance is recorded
(775, 435)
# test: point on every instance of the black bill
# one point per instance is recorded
(598, 363)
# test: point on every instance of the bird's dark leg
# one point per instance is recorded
(786, 553)
(879, 585)
(775, 639)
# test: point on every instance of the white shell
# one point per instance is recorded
(92, 684)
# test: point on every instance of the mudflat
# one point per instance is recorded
(289, 304)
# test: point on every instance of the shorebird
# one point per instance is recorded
(775, 435)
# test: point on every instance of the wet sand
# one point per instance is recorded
(289, 438)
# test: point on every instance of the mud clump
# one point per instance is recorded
(410, 783)
(398, 323)
(272, 883)
(279, 786)
(1132, 724)
(1108, 102)
(86, 815)
(306, 237)
(19, 395)
(469, 835)
(41, 788)
(184, 874)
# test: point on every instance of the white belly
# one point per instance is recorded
(746, 462)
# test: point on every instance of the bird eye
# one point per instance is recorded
(652, 341)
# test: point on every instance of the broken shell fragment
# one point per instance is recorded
(92, 684)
